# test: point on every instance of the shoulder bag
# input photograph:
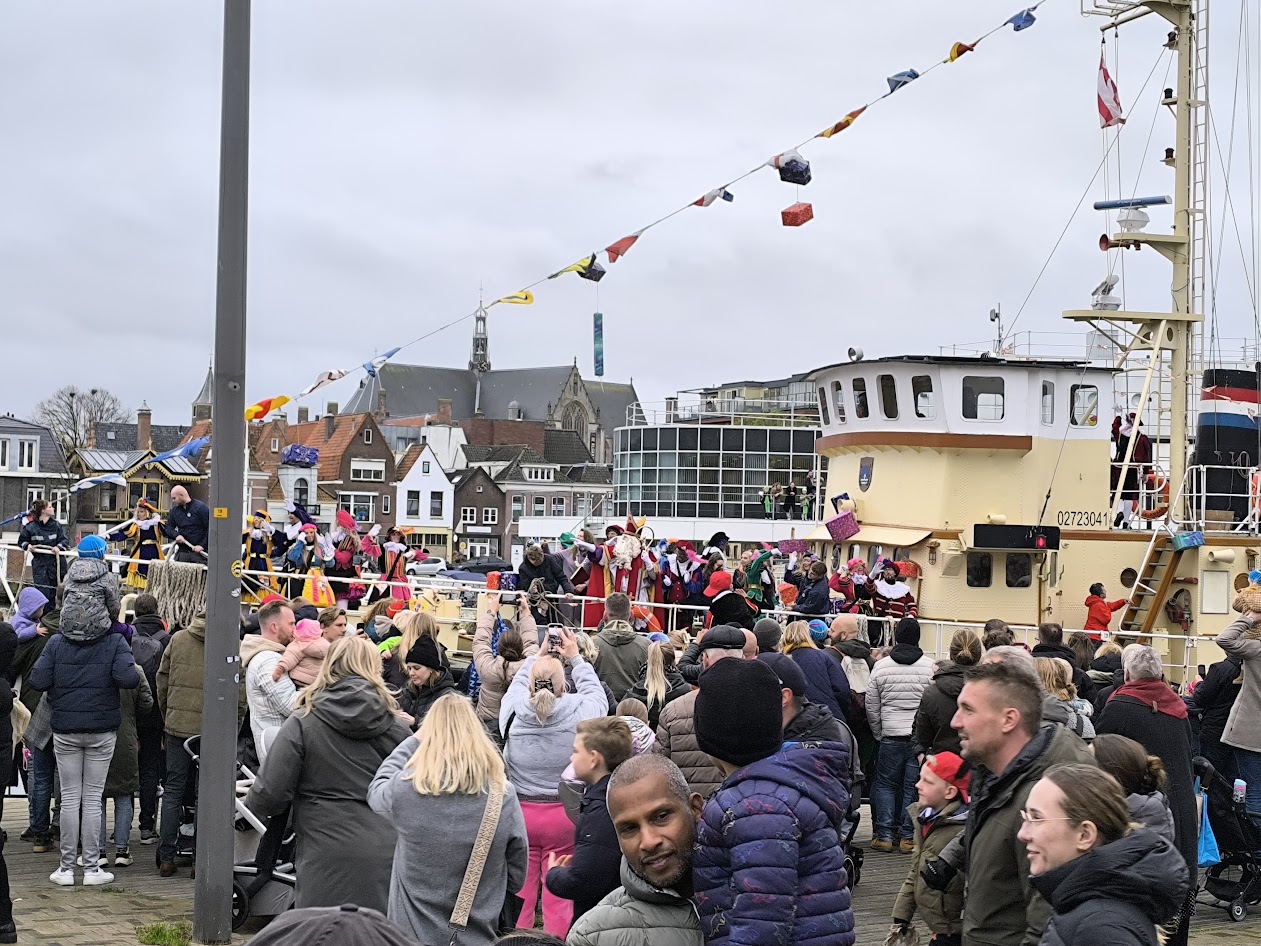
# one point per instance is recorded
(511, 910)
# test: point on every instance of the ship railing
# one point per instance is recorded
(1217, 500)
(746, 412)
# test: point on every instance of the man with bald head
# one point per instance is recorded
(188, 523)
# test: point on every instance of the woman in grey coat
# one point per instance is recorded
(343, 727)
(434, 789)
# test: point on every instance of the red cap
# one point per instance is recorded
(394, 607)
(718, 582)
(952, 770)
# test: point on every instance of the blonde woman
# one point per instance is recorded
(411, 629)
(1056, 675)
(324, 758)
(660, 683)
(434, 789)
(538, 719)
(826, 683)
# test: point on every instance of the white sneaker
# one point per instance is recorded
(95, 878)
(62, 877)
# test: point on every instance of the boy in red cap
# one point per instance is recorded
(939, 815)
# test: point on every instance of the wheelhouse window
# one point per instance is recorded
(838, 398)
(1048, 403)
(1084, 405)
(888, 396)
(983, 398)
(823, 406)
(922, 392)
(860, 398)
(980, 569)
(1019, 569)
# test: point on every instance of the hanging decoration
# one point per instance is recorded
(1109, 98)
(582, 267)
(598, 325)
(377, 363)
(619, 248)
(525, 297)
(325, 377)
(842, 124)
(957, 50)
(265, 406)
(92, 482)
(188, 450)
(792, 167)
(711, 196)
(1024, 19)
(797, 214)
(899, 79)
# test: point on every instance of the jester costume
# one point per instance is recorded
(258, 547)
(144, 532)
(306, 561)
(619, 565)
(393, 567)
(761, 582)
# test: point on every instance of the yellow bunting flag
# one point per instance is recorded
(958, 49)
(842, 124)
(264, 407)
(524, 297)
(581, 267)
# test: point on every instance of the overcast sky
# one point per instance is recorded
(404, 153)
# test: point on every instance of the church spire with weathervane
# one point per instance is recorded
(479, 359)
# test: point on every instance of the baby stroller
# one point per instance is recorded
(263, 878)
(853, 853)
(186, 836)
(1236, 881)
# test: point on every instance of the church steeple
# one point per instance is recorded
(479, 359)
(202, 404)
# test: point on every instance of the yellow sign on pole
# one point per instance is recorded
(221, 512)
(238, 569)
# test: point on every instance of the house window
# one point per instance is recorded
(301, 492)
(888, 396)
(26, 454)
(61, 503)
(111, 435)
(275, 444)
(367, 435)
(1019, 570)
(582, 506)
(1048, 403)
(518, 507)
(860, 397)
(558, 505)
(435, 504)
(107, 498)
(980, 569)
(1084, 409)
(413, 504)
(922, 394)
(150, 491)
(33, 493)
(385, 504)
(468, 515)
(838, 397)
(823, 406)
(4, 454)
(368, 470)
(490, 516)
(424, 467)
(363, 506)
(540, 506)
(982, 400)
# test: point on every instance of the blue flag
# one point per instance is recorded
(1023, 20)
(906, 77)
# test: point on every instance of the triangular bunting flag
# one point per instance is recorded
(619, 248)
(899, 79)
(1109, 99)
(581, 267)
(524, 297)
(375, 365)
(715, 194)
(327, 377)
(959, 49)
(264, 407)
(1022, 20)
(842, 124)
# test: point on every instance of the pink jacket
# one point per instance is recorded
(302, 660)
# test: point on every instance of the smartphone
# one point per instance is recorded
(553, 635)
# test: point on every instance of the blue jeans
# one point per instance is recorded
(897, 771)
(123, 810)
(40, 789)
(1248, 768)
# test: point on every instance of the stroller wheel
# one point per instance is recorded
(240, 906)
(1238, 910)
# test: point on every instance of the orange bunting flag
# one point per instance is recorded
(619, 249)
(958, 49)
(842, 124)
(264, 407)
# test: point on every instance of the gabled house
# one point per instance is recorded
(108, 505)
(478, 508)
(32, 466)
(424, 500)
(356, 471)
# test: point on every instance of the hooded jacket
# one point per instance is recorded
(496, 672)
(622, 658)
(937, 707)
(416, 701)
(769, 865)
(594, 871)
(1242, 730)
(270, 701)
(1215, 698)
(1115, 894)
(152, 627)
(1099, 612)
(637, 913)
(676, 740)
(894, 692)
(676, 687)
(25, 624)
(941, 911)
(814, 598)
(1152, 812)
(826, 683)
(91, 600)
(322, 763)
(180, 678)
(8, 646)
(728, 607)
(82, 679)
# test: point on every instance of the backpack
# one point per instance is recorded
(856, 671)
(147, 652)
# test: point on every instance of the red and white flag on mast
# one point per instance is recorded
(1109, 100)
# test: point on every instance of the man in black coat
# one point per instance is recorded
(1051, 644)
(1146, 710)
(188, 523)
(550, 570)
(1214, 698)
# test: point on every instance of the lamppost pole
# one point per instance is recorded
(212, 897)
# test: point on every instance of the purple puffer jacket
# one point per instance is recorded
(769, 868)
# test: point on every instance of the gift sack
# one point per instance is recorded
(842, 527)
(1249, 599)
(907, 569)
(797, 214)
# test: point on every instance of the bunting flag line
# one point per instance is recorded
(1023, 20)
(264, 407)
(711, 196)
(581, 267)
(377, 363)
(20, 515)
(93, 481)
(619, 248)
(1109, 98)
(327, 377)
(187, 451)
(842, 124)
(525, 297)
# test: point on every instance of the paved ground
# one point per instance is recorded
(108, 916)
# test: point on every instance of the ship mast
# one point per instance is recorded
(1173, 332)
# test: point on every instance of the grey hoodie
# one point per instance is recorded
(91, 601)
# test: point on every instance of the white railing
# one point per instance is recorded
(748, 412)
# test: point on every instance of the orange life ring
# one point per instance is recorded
(640, 613)
(1160, 486)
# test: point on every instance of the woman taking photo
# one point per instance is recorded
(325, 756)
(539, 718)
(660, 684)
(1107, 880)
(499, 650)
(435, 789)
(44, 537)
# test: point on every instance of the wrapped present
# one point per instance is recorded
(787, 594)
(508, 581)
(842, 527)
(789, 546)
(1188, 540)
(492, 581)
(1249, 599)
(792, 167)
(797, 214)
(907, 569)
(595, 272)
(296, 454)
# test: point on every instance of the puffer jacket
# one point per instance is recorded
(496, 673)
(536, 752)
(91, 599)
(769, 867)
(417, 701)
(897, 685)
(637, 913)
(676, 740)
(1115, 894)
(826, 683)
(1152, 812)
(937, 707)
(82, 679)
(180, 678)
(941, 911)
(25, 624)
(676, 687)
(814, 598)
(622, 658)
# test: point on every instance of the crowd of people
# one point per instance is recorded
(626, 785)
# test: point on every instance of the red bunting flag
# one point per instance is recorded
(842, 124)
(265, 407)
(1109, 99)
(619, 249)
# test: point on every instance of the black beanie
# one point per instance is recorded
(907, 632)
(424, 653)
(768, 633)
(738, 716)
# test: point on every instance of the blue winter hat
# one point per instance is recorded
(1254, 576)
(818, 631)
(91, 546)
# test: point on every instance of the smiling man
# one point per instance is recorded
(654, 816)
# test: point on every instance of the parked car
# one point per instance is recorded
(484, 566)
(430, 566)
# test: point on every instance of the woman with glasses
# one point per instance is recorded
(1107, 880)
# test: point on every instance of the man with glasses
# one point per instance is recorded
(1000, 726)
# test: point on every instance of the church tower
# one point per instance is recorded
(204, 401)
(479, 359)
